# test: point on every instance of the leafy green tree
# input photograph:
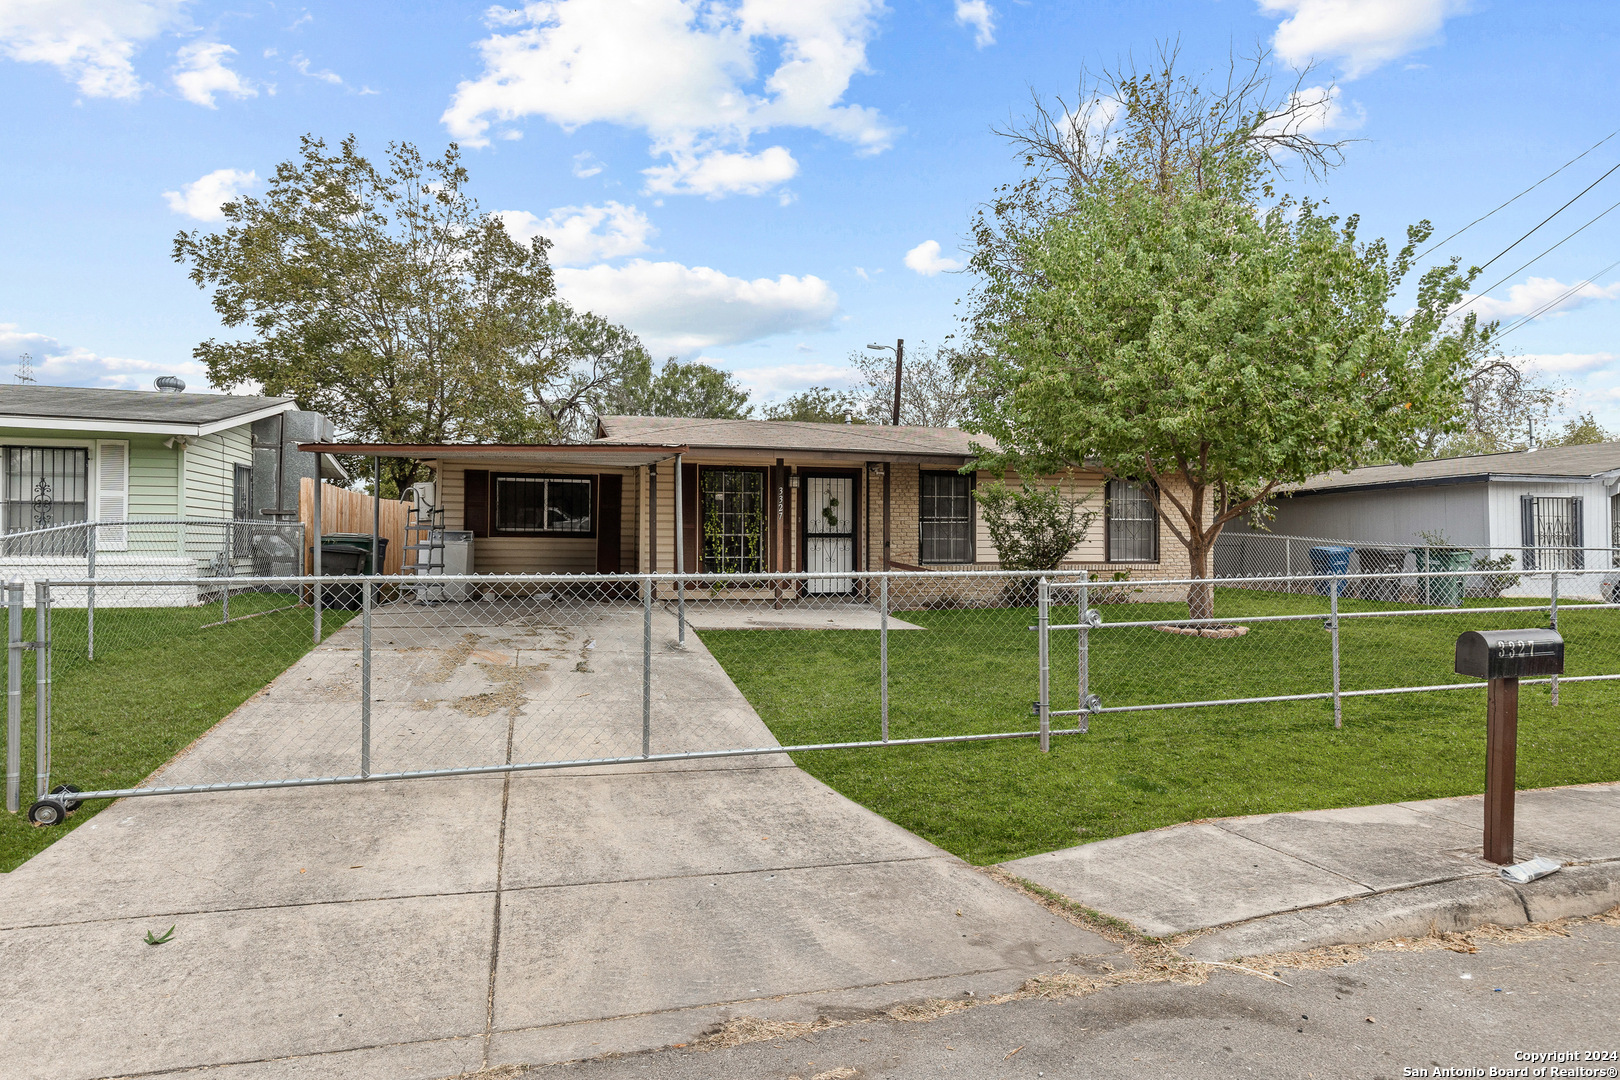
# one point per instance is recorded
(1176, 324)
(820, 404)
(383, 297)
(1581, 431)
(692, 389)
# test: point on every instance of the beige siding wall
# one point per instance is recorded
(537, 554)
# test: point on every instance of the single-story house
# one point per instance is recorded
(755, 497)
(1551, 502)
(76, 454)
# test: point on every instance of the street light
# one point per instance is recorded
(899, 350)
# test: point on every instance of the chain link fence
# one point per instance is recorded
(185, 684)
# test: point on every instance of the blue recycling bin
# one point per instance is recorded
(1331, 559)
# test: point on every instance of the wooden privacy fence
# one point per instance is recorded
(345, 511)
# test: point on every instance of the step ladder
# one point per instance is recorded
(424, 543)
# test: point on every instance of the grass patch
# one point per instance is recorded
(159, 680)
(974, 671)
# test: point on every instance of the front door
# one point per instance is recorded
(829, 532)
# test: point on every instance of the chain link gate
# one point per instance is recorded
(224, 684)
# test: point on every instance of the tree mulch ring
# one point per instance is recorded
(1209, 630)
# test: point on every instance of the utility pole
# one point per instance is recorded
(899, 351)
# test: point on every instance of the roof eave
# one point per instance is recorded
(143, 427)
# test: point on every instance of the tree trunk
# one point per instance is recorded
(1201, 593)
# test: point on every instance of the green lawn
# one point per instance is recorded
(160, 679)
(974, 670)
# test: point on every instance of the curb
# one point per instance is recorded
(1447, 907)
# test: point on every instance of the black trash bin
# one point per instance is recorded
(363, 542)
(341, 560)
(1380, 561)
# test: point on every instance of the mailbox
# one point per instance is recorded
(1510, 654)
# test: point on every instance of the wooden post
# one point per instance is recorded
(888, 467)
(1501, 774)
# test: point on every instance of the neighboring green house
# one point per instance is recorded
(137, 458)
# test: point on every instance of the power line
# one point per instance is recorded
(1523, 193)
(1550, 216)
(1515, 272)
(1555, 301)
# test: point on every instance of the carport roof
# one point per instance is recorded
(592, 454)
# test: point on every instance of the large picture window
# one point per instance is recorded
(45, 486)
(946, 518)
(1132, 523)
(1552, 532)
(731, 507)
(528, 505)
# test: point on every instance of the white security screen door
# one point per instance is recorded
(829, 532)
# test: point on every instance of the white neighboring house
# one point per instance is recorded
(1545, 506)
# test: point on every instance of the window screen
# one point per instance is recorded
(1132, 523)
(1552, 532)
(946, 517)
(732, 509)
(45, 486)
(543, 505)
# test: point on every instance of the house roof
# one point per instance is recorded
(1549, 463)
(873, 440)
(589, 454)
(77, 408)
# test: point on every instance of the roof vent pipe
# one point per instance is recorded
(169, 384)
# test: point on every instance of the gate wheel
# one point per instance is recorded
(46, 812)
(69, 805)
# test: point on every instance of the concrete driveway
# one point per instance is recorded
(434, 927)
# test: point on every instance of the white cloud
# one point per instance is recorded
(60, 364)
(680, 309)
(1316, 109)
(584, 234)
(687, 72)
(91, 42)
(719, 173)
(586, 165)
(927, 261)
(202, 73)
(1360, 34)
(779, 380)
(1535, 292)
(203, 197)
(1569, 363)
(979, 15)
(301, 64)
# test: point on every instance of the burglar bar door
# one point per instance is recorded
(829, 532)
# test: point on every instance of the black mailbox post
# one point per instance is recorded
(1503, 657)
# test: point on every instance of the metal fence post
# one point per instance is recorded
(1333, 627)
(14, 601)
(90, 601)
(646, 666)
(365, 678)
(1084, 719)
(883, 651)
(315, 551)
(1043, 599)
(1552, 624)
(680, 555)
(42, 689)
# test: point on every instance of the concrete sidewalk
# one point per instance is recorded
(1280, 882)
(431, 927)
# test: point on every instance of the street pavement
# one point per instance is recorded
(1395, 1013)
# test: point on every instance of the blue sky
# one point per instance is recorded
(765, 184)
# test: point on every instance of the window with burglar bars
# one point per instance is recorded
(733, 517)
(242, 510)
(528, 505)
(946, 518)
(1133, 526)
(46, 486)
(1552, 532)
